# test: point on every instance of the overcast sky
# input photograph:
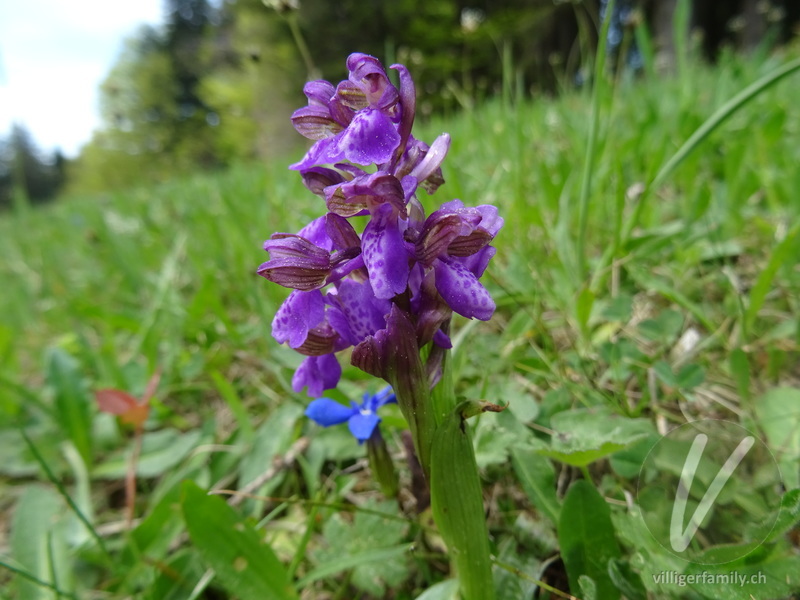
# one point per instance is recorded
(53, 56)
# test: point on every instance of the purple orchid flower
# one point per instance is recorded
(394, 282)
(356, 121)
(362, 419)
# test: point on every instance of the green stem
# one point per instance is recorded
(380, 461)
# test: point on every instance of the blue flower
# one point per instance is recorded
(362, 419)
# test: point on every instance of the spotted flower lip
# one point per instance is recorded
(362, 419)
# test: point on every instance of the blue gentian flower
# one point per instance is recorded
(362, 419)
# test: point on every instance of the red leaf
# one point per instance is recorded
(115, 402)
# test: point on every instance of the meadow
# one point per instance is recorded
(641, 284)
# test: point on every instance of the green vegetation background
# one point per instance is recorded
(103, 290)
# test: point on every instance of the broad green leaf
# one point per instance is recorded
(537, 477)
(586, 537)
(583, 435)
(788, 517)
(243, 562)
(778, 414)
(378, 560)
(372, 546)
(690, 376)
(457, 504)
(178, 577)
(72, 402)
(38, 543)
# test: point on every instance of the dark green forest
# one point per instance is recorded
(216, 83)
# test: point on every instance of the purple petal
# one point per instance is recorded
(370, 138)
(408, 99)
(327, 412)
(299, 313)
(316, 232)
(368, 74)
(315, 122)
(318, 373)
(295, 262)
(317, 179)
(376, 189)
(385, 253)
(462, 290)
(362, 425)
(340, 232)
(478, 262)
(363, 312)
(323, 152)
(441, 339)
(319, 92)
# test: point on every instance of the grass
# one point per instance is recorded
(678, 301)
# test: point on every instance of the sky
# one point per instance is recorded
(53, 56)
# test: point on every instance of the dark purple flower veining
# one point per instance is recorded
(367, 167)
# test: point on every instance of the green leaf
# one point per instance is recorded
(457, 504)
(588, 588)
(788, 517)
(370, 545)
(690, 376)
(38, 543)
(72, 403)
(663, 328)
(178, 577)
(444, 590)
(626, 579)
(583, 435)
(243, 562)
(583, 308)
(537, 477)
(586, 537)
(775, 577)
(784, 254)
(386, 558)
(778, 414)
(740, 369)
(664, 372)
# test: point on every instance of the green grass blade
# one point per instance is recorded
(782, 254)
(713, 122)
(65, 494)
(591, 143)
(33, 579)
